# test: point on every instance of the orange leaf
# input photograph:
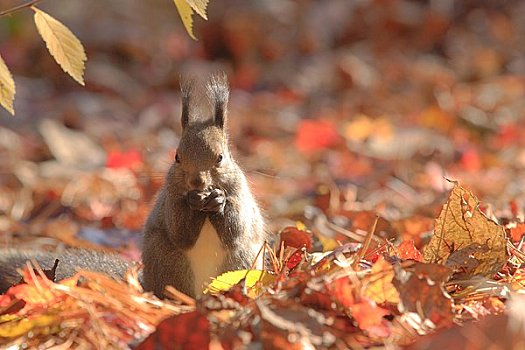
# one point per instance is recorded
(313, 135)
(408, 251)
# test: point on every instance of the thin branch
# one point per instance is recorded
(19, 7)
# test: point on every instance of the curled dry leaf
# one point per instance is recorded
(63, 45)
(422, 292)
(461, 224)
(7, 88)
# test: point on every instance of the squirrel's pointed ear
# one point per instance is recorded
(186, 90)
(218, 92)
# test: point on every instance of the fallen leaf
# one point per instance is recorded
(378, 285)
(369, 317)
(462, 224)
(294, 237)
(229, 279)
(425, 295)
(407, 250)
(313, 135)
(186, 331)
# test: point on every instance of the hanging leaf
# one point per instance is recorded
(199, 6)
(186, 13)
(63, 45)
(7, 88)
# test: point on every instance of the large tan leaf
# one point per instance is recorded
(186, 13)
(461, 227)
(199, 6)
(63, 45)
(7, 88)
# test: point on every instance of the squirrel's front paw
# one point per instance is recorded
(215, 201)
(196, 199)
(210, 201)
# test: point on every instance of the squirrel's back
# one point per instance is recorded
(70, 261)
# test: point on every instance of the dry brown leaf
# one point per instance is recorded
(7, 88)
(461, 224)
(63, 45)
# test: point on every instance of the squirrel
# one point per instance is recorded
(205, 220)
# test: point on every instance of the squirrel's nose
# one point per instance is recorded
(197, 182)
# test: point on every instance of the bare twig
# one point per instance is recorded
(19, 7)
(366, 244)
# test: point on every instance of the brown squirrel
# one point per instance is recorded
(205, 220)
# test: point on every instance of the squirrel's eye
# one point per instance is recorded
(177, 158)
(219, 159)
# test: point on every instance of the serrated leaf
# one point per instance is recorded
(228, 279)
(63, 45)
(461, 226)
(186, 13)
(199, 6)
(7, 88)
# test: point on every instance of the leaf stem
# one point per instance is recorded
(19, 7)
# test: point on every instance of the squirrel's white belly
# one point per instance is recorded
(206, 256)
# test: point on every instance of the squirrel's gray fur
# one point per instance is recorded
(70, 261)
(204, 183)
(173, 226)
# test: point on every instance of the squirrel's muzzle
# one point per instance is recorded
(198, 181)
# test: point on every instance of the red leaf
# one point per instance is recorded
(313, 135)
(369, 317)
(131, 159)
(185, 331)
(342, 291)
(517, 232)
(408, 251)
(296, 238)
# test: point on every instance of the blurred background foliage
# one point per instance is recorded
(363, 105)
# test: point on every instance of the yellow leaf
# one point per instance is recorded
(16, 328)
(228, 279)
(7, 88)
(63, 45)
(186, 13)
(378, 285)
(199, 6)
(464, 235)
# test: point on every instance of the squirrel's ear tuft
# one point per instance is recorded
(186, 91)
(218, 92)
